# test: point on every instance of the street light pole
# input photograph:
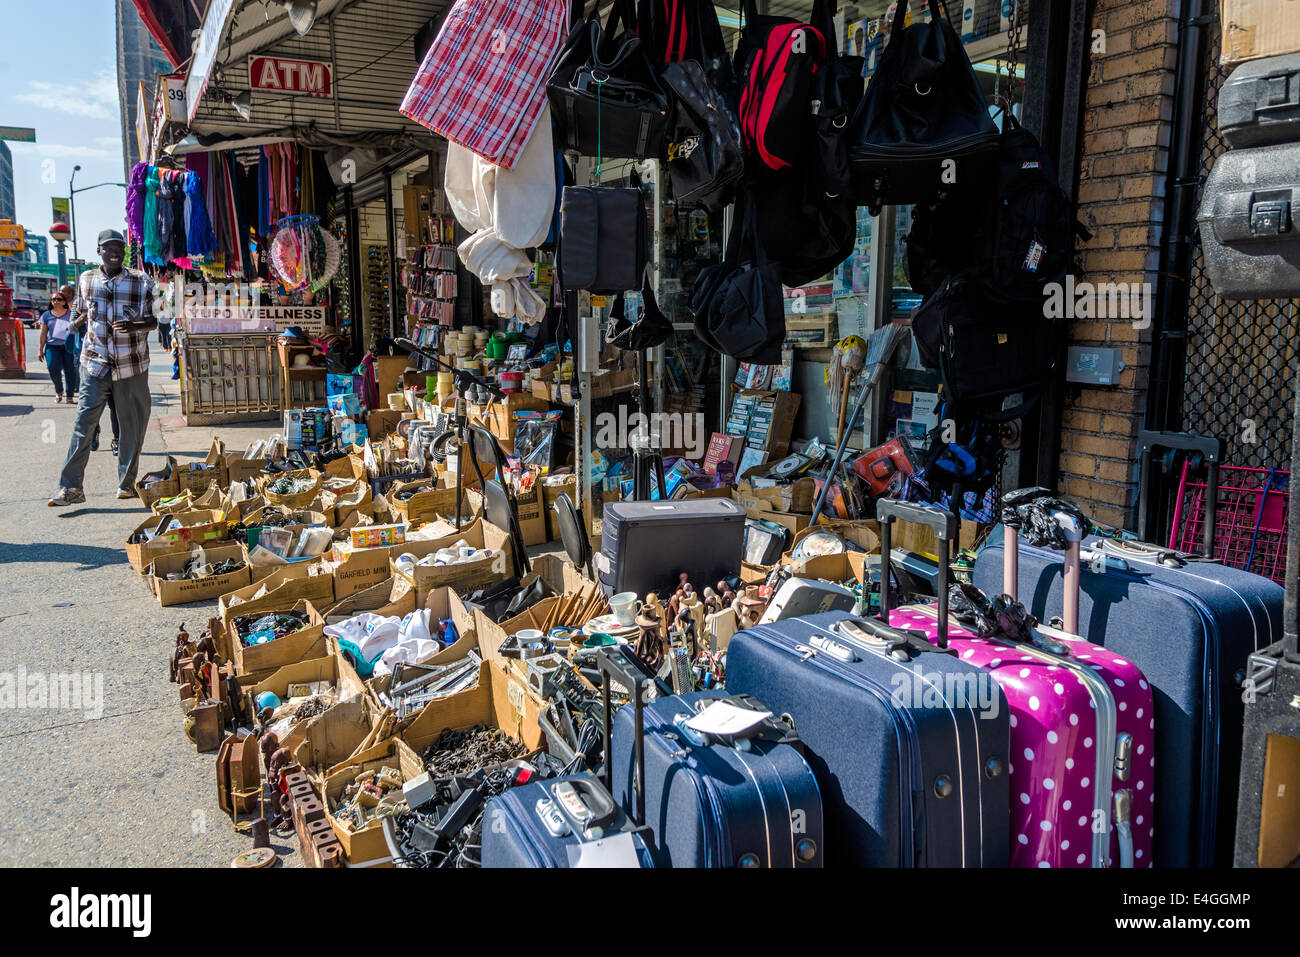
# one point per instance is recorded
(72, 209)
(59, 233)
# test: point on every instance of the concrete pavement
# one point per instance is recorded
(120, 785)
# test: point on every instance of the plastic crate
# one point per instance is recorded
(1249, 524)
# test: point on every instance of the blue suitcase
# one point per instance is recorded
(561, 822)
(1190, 625)
(911, 764)
(745, 800)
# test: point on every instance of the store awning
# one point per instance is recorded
(363, 50)
(171, 24)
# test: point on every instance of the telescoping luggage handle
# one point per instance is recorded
(1071, 531)
(1211, 448)
(615, 664)
(944, 526)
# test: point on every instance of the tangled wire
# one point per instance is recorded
(460, 752)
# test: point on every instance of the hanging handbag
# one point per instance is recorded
(923, 107)
(780, 57)
(604, 238)
(680, 30)
(604, 93)
(738, 306)
(838, 88)
(704, 157)
(646, 329)
(802, 228)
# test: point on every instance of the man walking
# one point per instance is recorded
(114, 312)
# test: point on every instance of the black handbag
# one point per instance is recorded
(649, 328)
(605, 95)
(923, 106)
(838, 88)
(984, 351)
(738, 306)
(704, 156)
(604, 238)
(803, 228)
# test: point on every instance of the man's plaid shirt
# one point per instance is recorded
(101, 301)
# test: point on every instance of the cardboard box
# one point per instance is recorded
(294, 499)
(326, 742)
(142, 554)
(158, 490)
(465, 576)
(388, 375)
(299, 646)
(532, 520)
(368, 599)
(443, 604)
(435, 503)
(365, 847)
(864, 533)
(197, 589)
(358, 569)
(552, 490)
(283, 587)
(920, 538)
(331, 667)
(382, 422)
(499, 416)
(499, 700)
(1258, 28)
(293, 568)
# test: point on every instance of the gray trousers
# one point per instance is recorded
(132, 399)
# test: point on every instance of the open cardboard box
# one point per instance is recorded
(463, 576)
(292, 499)
(197, 476)
(499, 700)
(443, 603)
(307, 643)
(328, 741)
(358, 569)
(365, 847)
(142, 554)
(332, 668)
(283, 587)
(195, 589)
(552, 488)
(433, 504)
(368, 599)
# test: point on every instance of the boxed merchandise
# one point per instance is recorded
(141, 554)
(863, 533)
(292, 489)
(499, 700)
(368, 599)
(377, 536)
(532, 521)
(157, 485)
(185, 590)
(363, 844)
(437, 502)
(330, 739)
(197, 476)
(329, 675)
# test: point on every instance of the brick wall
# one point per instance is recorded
(1126, 134)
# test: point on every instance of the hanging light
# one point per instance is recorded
(243, 104)
(302, 14)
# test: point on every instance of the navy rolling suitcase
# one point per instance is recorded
(569, 821)
(1190, 624)
(743, 800)
(908, 743)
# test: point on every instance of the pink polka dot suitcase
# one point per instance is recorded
(1081, 760)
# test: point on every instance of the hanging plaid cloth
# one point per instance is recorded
(483, 82)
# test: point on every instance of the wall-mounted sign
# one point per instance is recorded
(175, 85)
(205, 54)
(13, 238)
(310, 319)
(267, 74)
(18, 134)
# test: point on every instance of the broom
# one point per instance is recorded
(880, 348)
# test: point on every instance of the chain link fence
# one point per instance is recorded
(1241, 355)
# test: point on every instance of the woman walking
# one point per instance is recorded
(57, 348)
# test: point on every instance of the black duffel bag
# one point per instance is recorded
(605, 96)
(923, 106)
(704, 156)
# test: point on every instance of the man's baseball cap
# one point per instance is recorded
(111, 236)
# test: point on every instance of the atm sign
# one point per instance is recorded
(300, 77)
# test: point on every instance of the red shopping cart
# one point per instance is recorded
(1250, 519)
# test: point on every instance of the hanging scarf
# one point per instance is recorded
(135, 201)
(164, 205)
(152, 240)
(264, 192)
(201, 240)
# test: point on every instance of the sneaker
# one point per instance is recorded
(123, 493)
(67, 496)
(114, 446)
(58, 399)
(94, 442)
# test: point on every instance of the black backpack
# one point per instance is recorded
(1024, 227)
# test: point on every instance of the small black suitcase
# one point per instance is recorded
(1250, 236)
(646, 546)
(1259, 104)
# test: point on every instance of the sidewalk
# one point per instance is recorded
(125, 788)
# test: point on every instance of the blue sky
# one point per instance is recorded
(58, 68)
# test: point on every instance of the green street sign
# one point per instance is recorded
(19, 134)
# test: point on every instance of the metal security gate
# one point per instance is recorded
(1240, 355)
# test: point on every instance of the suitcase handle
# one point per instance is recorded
(1210, 447)
(616, 665)
(944, 524)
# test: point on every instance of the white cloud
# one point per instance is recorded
(62, 151)
(96, 100)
